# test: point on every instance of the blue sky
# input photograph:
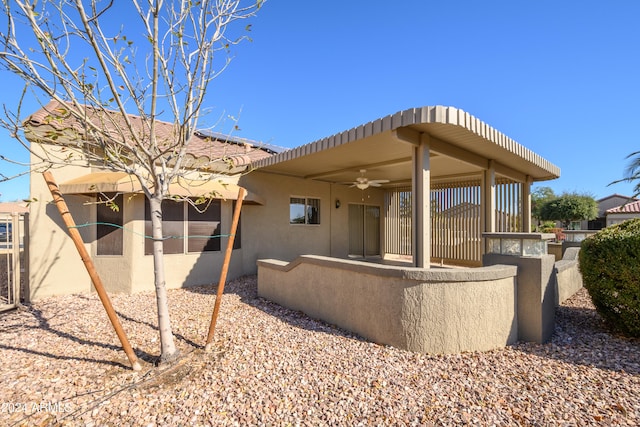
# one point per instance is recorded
(561, 78)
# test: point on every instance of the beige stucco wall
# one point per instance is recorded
(427, 311)
(568, 276)
(617, 218)
(180, 269)
(56, 267)
(266, 229)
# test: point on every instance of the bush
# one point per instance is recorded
(610, 267)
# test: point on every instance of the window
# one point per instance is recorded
(304, 210)
(237, 241)
(199, 232)
(203, 228)
(109, 217)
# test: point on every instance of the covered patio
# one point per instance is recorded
(447, 177)
(434, 183)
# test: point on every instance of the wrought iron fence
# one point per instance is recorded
(12, 259)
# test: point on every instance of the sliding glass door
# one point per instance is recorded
(364, 230)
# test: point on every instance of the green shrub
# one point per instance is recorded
(610, 267)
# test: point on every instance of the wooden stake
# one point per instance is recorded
(88, 263)
(225, 268)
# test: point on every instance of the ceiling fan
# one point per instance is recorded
(363, 182)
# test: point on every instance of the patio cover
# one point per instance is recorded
(461, 145)
(121, 182)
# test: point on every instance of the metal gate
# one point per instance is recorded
(13, 250)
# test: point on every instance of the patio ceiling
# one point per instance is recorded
(460, 147)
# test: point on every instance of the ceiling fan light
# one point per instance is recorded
(362, 185)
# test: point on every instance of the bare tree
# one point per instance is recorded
(113, 86)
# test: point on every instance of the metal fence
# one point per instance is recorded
(13, 247)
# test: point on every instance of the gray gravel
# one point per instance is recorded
(61, 364)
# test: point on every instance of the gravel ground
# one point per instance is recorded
(61, 364)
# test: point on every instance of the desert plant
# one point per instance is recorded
(610, 267)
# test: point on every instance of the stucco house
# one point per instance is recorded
(381, 192)
(437, 153)
(623, 212)
(604, 204)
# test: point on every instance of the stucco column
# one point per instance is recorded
(526, 205)
(421, 211)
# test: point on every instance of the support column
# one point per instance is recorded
(526, 205)
(421, 201)
(488, 210)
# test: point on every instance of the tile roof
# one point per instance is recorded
(203, 147)
(631, 207)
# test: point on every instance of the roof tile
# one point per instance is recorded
(632, 207)
(202, 148)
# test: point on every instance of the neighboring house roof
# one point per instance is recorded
(631, 207)
(612, 201)
(12, 207)
(616, 196)
(459, 145)
(204, 146)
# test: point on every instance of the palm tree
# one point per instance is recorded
(632, 174)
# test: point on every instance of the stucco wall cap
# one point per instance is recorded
(528, 236)
(489, 273)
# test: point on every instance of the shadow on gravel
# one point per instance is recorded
(582, 338)
(43, 323)
(246, 288)
(155, 328)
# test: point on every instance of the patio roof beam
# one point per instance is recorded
(457, 177)
(357, 168)
(407, 135)
(449, 150)
(509, 172)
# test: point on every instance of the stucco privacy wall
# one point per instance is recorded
(568, 277)
(536, 294)
(427, 311)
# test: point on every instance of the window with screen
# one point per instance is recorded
(204, 228)
(109, 218)
(185, 229)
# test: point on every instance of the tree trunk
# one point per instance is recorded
(168, 350)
